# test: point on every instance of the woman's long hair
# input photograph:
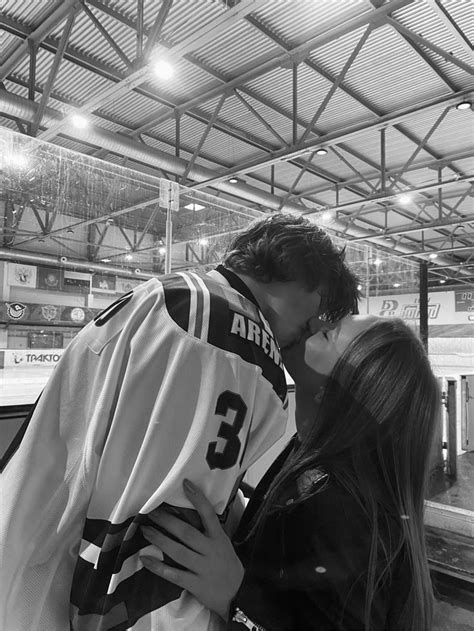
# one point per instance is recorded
(373, 435)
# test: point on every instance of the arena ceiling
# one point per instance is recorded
(342, 110)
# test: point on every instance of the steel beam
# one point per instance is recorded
(327, 140)
(36, 36)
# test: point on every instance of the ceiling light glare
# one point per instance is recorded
(79, 121)
(233, 180)
(17, 161)
(464, 105)
(203, 242)
(442, 281)
(404, 198)
(377, 261)
(129, 257)
(321, 152)
(162, 251)
(359, 287)
(396, 284)
(433, 255)
(105, 260)
(326, 215)
(194, 206)
(162, 69)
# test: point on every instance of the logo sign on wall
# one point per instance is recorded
(21, 275)
(15, 310)
(41, 314)
(50, 278)
(29, 357)
(444, 307)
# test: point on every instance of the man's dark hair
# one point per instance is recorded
(285, 248)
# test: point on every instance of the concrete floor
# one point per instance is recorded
(451, 618)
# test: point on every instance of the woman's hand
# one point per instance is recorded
(214, 572)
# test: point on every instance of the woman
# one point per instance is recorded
(333, 536)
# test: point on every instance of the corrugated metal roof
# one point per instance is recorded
(311, 18)
(27, 12)
(387, 75)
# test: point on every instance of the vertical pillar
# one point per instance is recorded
(295, 103)
(452, 438)
(423, 297)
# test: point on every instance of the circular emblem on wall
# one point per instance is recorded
(15, 310)
(77, 314)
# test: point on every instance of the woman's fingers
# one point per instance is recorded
(203, 507)
(178, 577)
(177, 551)
(180, 529)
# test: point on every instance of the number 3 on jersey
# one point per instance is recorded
(227, 458)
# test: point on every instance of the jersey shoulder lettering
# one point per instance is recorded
(225, 319)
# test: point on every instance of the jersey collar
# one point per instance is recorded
(237, 283)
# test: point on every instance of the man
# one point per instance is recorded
(181, 377)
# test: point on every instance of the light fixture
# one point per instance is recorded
(326, 215)
(404, 198)
(464, 105)
(162, 69)
(377, 261)
(442, 281)
(162, 251)
(79, 121)
(105, 260)
(18, 161)
(321, 152)
(203, 242)
(359, 287)
(70, 231)
(433, 255)
(396, 284)
(129, 257)
(233, 180)
(194, 206)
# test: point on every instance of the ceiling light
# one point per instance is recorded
(433, 255)
(162, 69)
(233, 180)
(359, 287)
(70, 231)
(105, 260)
(326, 215)
(203, 242)
(17, 160)
(377, 261)
(79, 121)
(396, 284)
(129, 257)
(162, 251)
(194, 206)
(321, 152)
(442, 281)
(404, 198)
(464, 105)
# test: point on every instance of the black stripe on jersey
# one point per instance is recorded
(177, 299)
(249, 347)
(134, 596)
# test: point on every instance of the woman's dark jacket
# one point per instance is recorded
(306, 568)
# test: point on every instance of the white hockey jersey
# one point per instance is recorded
(181, 377)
